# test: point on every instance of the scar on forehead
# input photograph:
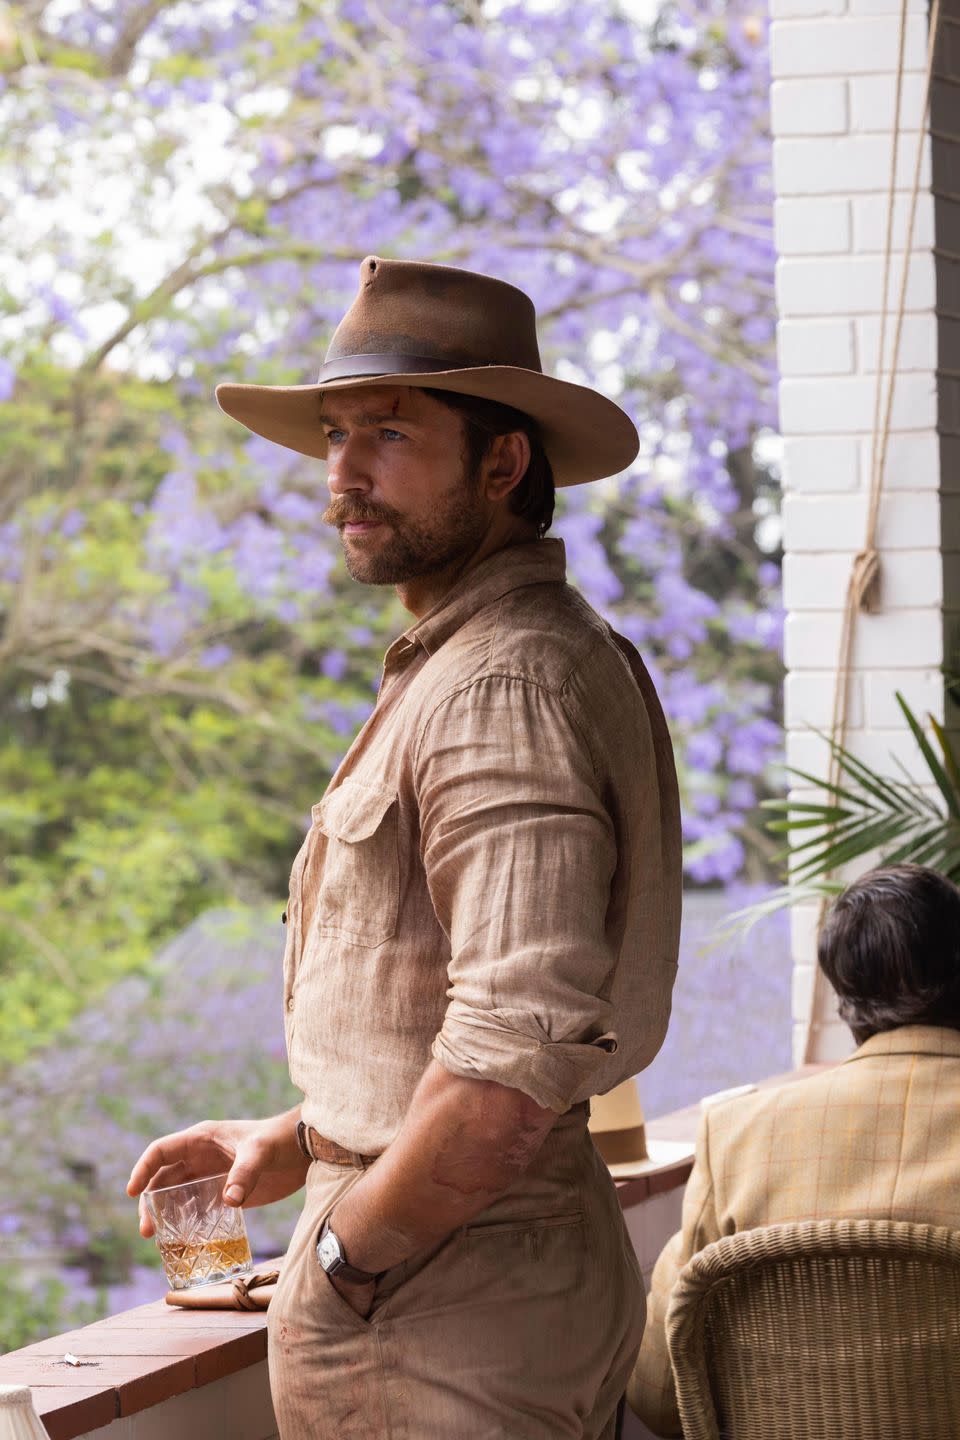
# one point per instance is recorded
(396, 405)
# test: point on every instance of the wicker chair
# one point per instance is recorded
(824, 1330)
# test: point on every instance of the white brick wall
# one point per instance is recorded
(812, 227)
(910, 580)
(815, 347)
(842, 285)
(840, 403)
(833, 64)
(804, 107)
(854, 45)
(872, 98)
(870, 223)
(854, 163)
(820, 465)
(907, 521)
(918, 339)
(913, 463)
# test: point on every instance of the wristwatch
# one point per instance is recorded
(332, 1259)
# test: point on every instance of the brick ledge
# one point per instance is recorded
(136, 1360)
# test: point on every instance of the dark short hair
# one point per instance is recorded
(890, 947)
(534, 497)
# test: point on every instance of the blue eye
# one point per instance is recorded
(334, 436)
(391, 434)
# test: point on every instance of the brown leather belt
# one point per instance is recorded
(317, 1147)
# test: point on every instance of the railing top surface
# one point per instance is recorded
(132, 1361)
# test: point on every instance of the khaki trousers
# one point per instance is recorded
(523, 1325)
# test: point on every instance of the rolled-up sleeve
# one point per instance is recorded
(519, 851)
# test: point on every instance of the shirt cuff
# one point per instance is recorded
(512, 1048)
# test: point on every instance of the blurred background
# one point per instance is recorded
(186, 190)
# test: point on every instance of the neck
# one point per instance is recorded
(421, 594)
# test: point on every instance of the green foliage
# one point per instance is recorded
(136, 790)
(29, 1313)
(199, 1033)
(864, 814)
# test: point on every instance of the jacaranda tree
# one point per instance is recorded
(185, 192)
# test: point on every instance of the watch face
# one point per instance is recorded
(328, 1250)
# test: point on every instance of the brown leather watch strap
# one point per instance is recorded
(335, 1262)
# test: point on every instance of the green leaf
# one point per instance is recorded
(832, 836)
(741, 922)
(778, 827)
(831, 786)
(925, 848)
(940, 776)
(814, 806)
(888, 792)
(868, 837)
(950, 762)
(949, 864)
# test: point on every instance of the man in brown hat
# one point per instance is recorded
(483, 919)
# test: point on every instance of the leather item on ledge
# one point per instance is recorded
(317, 1147)
(252, 1291)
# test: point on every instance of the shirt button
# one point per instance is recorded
(290, 1003)
(283, 918)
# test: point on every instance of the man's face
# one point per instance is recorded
(400, 493)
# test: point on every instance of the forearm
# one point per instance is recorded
(462, 1145)
(281, 1134)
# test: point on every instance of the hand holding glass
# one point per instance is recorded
(200, 1237)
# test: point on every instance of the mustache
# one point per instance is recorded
(346, 512)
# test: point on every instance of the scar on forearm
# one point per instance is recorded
(473, 1164)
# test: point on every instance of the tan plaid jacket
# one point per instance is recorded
(876, 1137)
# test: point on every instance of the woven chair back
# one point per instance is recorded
(823, 1330)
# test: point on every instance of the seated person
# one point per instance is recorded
(873, 1138)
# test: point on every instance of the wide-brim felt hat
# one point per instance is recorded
(620, 1134)
(440, 328)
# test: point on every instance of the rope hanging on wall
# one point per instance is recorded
(864, 585)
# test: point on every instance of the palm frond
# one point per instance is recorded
(739, 923)
(950, 762)
(835, 834)
(831, 786)
(883, 789)
(934, 849)
(928, 802)
(940, 776)
(863, 812)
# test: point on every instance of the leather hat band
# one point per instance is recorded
(349, 366)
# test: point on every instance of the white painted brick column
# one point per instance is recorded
(834, 70)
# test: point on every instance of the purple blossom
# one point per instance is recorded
(704, 751)
(214, 656)
(8, 379)
(334, 664)
(534, 101)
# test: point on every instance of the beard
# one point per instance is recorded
(455, 527)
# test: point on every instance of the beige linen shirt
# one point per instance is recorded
(493, 875)
(874, 1138)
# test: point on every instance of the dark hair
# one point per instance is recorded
(533, 498)
(890, 947)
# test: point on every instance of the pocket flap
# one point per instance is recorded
(354, 810)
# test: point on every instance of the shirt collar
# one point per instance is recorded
(537, 562)
(910, 1040)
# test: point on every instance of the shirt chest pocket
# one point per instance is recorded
(359, 895)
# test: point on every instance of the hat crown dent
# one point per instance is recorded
(457, 317)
